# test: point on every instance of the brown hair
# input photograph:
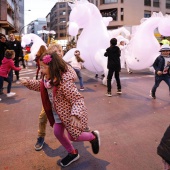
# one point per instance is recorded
(41, 50)
(79, 59)
(52, 48)
(57, 66)
(9, 53)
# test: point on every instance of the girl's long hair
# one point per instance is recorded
(78, 58)
(57, 66)
(41, 50)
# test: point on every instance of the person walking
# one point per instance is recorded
(7, 65)
(76, 63)
(64, 105)
(15, 45)
(113, 64)
(161, 66)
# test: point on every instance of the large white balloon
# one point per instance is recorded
(37, 42)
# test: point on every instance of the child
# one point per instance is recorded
(76, 63)
(41, 50)
(7, 65)
(63, 104)
(161, 66)
(113, 64)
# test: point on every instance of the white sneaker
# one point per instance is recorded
(17, 82)
(11, 94)
(0, 99)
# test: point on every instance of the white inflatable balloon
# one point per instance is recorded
(37, 42)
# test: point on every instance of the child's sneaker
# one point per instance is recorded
(39, 145)
(0, 99)
(70, 158)
(108, 94)
(119, 91)
(95, 143)
(11, 94)
(81, 88)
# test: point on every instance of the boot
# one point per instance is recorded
(36, 77)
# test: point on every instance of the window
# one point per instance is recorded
(62, 35)
(62, 20)
(62, 27)
(168, 4)
(63, 12)
(110, 13)
(156, 3)
(122, 14)
(110, 1)
(62, 5)
(147, 14)
(122, 1)
(147, 2)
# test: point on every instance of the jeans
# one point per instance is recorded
(17, 72)
(109, 79)
(42, 123)
(78, 72)
(158, 80)
(9, 80)
(66, 141)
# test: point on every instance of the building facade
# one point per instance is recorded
(11, 16)
(129, 12)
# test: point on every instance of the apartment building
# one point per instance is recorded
(129, 12)
(11, 16)
(59, 17)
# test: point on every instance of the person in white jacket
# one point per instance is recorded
(76, 63)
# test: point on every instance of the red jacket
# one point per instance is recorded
(7, 65)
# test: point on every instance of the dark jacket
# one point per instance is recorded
(113, 53)
(159, 64)
(3, 48)
(16, 46)
(163, 149)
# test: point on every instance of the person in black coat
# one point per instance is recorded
(163, 149)
(15, 45)
(161, 66)
(3, 46)
(113, 64)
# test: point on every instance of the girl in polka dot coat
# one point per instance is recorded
(63, 104)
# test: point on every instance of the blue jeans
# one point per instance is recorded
(158, 80)
(78, 72)
(9, 80)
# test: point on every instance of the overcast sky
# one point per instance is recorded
(39, 9)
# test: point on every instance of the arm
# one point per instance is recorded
(31, 84)
(13, 66)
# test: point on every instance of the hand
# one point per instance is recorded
(75, 121)
(24, 81)
(159, 73)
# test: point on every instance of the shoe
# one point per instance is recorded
(152, 95)
(119, 91)
(87, 129)
(130, 72)
(96, 76)
(36, 77)
(17, 82)
(95, 143)
(70, 158)
(11, 94)
(39, 145)
(81, 88)
(0, 99)
(108, 94)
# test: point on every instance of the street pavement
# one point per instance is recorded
(131, 126)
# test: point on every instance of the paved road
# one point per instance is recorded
(131, 126)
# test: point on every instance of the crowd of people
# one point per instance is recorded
(57, 83)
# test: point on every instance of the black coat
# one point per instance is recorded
(113, 53)
(159, 64)
(163, 149)
(16, 46)
(3, 48)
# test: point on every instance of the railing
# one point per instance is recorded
(10, 20)
(11, 3)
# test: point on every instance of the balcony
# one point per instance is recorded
(11, 4)
(10, 20)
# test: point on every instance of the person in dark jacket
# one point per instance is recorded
(113, 53)
(163, 149)
(161, 66)
(15, 45)
(3, 47)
